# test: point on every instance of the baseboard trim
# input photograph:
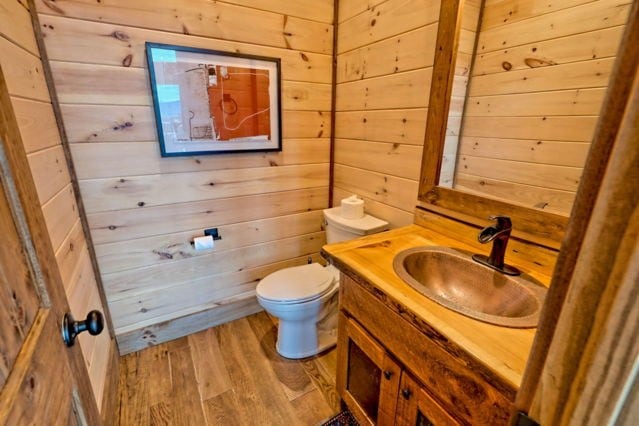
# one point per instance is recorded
(110, 396)
(155, 334)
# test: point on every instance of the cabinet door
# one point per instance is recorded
(367, 378)
(415, 407)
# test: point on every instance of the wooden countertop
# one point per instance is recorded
(503, 350)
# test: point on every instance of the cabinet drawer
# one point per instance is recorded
(460, 383)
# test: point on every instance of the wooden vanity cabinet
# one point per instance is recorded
(392, 372)
(374, 386)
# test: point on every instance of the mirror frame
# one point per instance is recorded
(530, 224)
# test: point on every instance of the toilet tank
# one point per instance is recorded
(341, 229)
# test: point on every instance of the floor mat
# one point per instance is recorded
(345, 418)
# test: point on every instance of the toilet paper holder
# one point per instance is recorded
(213, 233)
(210, 232)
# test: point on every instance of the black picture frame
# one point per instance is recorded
(214, 102)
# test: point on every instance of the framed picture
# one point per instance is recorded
(211, 102)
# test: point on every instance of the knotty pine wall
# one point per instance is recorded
(537, 86)
(22, 69)
(143, 209)
(385, 52)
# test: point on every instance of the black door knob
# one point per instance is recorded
(406, 393)
(94, 324)
(388, 374)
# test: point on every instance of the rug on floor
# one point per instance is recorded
(345, 418)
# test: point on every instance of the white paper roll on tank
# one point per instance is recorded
(352, 207)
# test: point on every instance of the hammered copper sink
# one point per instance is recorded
(452, 279)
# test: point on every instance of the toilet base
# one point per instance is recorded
(322, 341)
(306, 329)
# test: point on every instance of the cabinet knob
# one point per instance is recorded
(406, 393)
(388, 374)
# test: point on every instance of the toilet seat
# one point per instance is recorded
(297, 284)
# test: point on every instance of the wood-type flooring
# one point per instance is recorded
(227, 375)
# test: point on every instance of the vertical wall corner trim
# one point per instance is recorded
(331, 160)
(48, 74)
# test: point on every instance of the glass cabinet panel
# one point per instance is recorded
(363, 381)
(422, 420)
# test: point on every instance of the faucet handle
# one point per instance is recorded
(503, 222)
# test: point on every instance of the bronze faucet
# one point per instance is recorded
(499, 235)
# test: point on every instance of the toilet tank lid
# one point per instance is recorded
(296, 284)
(363, 226)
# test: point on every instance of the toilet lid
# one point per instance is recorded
(295, 284)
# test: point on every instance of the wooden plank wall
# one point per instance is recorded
(537, 85)
(385, 54)
(143, 210)
(22, 68)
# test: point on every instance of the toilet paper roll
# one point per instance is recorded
(203, 243)
(352, 207)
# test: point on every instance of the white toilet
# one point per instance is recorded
(304, 298)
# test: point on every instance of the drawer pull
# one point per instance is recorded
(406, 393)
(388, 374)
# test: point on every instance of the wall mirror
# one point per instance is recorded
(515, 100)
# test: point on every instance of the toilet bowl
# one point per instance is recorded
(299, 308)
(304, 298)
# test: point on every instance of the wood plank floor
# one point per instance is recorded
(226, 375)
